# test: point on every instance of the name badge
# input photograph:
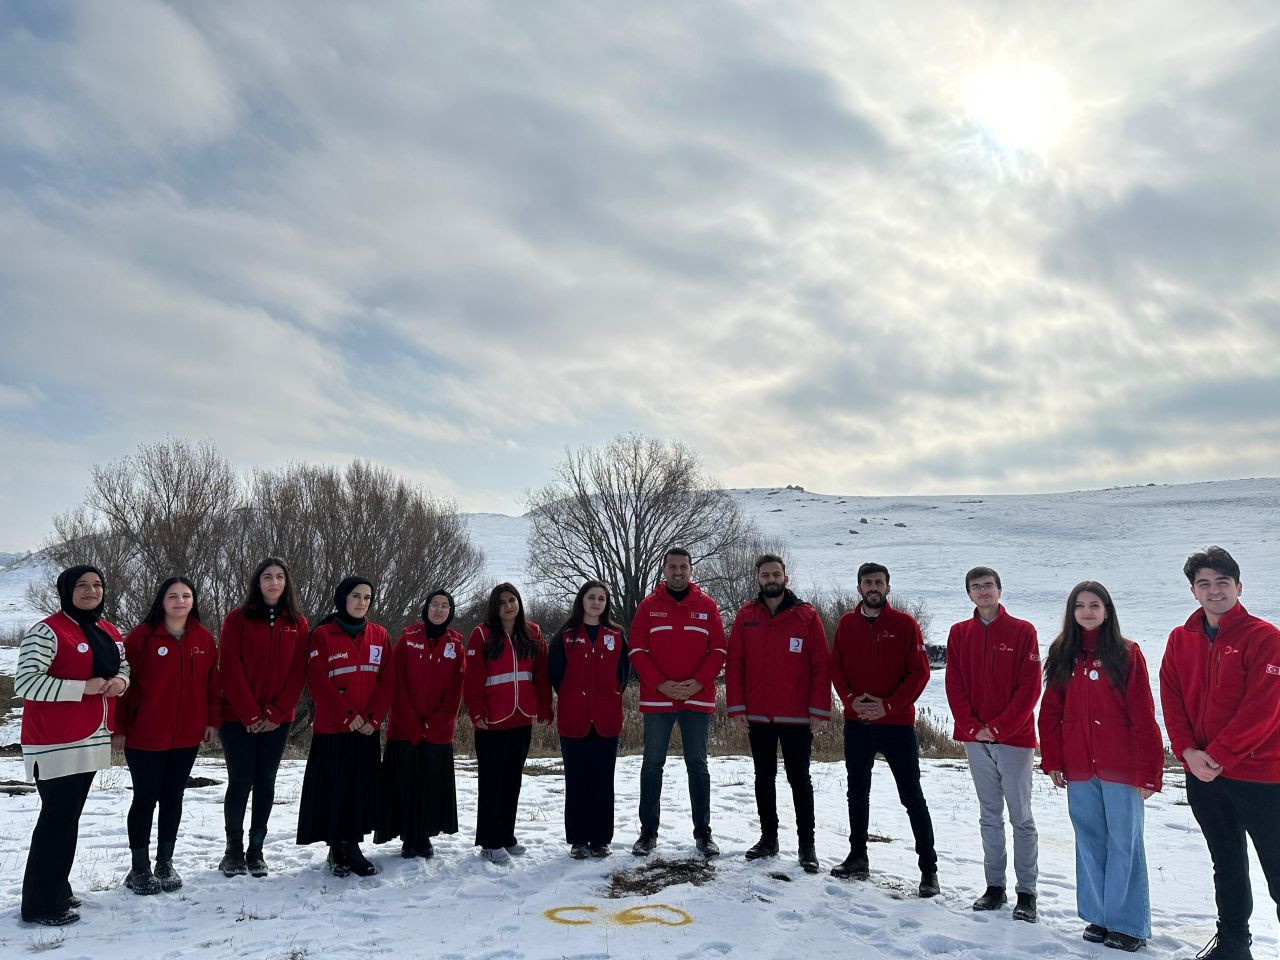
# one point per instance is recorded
(608, 643)
(375, 654)
(82, 647)
(449, 652)
(797, 644)
(1093, 674)
(162, 651)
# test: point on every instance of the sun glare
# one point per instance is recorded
(1022, 106)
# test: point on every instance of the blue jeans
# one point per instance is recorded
(1111, 861)
(694, 727)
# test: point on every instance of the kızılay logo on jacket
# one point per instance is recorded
(699, 616)
(1273, 669)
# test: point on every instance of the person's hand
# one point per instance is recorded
(669, 688)
(984, 736)
(117, 742)
(94, 686)
(741, 720)
(114, 687)
(1145, 794)
(1056, 776)
(369, 729)
(357, 724)
(688, 688)
(268, 726)
(868, 707)
(1201, 765)
(480, 723)
(209, 734)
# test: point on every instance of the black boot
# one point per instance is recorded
(992, 899)
(645, 844)
(256, 865)
(1227, 948)
(233, 862)
(706, 846)
(425, 850)
(1026, 908)
(356, 859)
(855, 865)
(929, 884)
(809, 857)
(168, 877)
(338, 865)
(140, 879)
(766, 846)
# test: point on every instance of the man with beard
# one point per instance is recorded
(879, 668)
(779, 691)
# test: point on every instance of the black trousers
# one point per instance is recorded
(1228, 810)
(500, 756)
(252, 761)
(45, 887)
(588, 788)
(159, 777)
(797, 745)
(901, 750)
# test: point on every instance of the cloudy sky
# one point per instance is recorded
(863, 247)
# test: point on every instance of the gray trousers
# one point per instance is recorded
(1002, 776)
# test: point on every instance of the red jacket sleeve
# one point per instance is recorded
(473, 680)
(735, 670)
(446, 711)
(323, 691)
(287, 700)
(916, 677)
(835, 666)
(957, 682)
(231, 669)
(127, 711)
(1052, 705)
(717, 650)
(1148, 744)
(819, 674)
(1258, 714)
(383, 688)
(1176, 720)
(1026, 688)
(641, 660)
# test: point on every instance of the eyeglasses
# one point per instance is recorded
(982, 588)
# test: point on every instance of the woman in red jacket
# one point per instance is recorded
(419, 798)
(350, 676)
(506, 689)
(262, 664)
(588, 667)
(171, 708)
(1099, 738)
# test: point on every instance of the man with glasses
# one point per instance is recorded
(993, 683)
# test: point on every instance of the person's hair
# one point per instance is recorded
(155, 616)
(676, 552)
(869, 568)
(578, 613)
(255, 605)
(770, 558)
(1216, 559)
(1112, 648)
(520, 637)
(977, 573)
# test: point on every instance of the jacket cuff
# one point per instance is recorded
(738, 708)
(272, 714)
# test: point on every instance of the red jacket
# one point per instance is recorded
(262, 668)
(349, 676)
(428, 687)
(1224, 697)
(993, 679)
(884, 657)
(678, 641)
(47, 722)
(590, 692)
(777, 666)
(173, 690)
(1088, 728)
(505, 692)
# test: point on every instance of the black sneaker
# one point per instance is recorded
(1025, 909)
(57, 919)
(855, 865)
(168, 877)
(1095, 933)
(707, 847)
(579, 851)
(337, 860)
(142, 881)
(809, 859)
(600, 850)
(766, 846)
(233, 863)
(358, 862)
(254, 863)
(994, 898)
(646, 843)
(929, 884)
(1122, 941)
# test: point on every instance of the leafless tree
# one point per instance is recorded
(731, 576)
(612, 511)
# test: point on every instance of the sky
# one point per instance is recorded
(871, 248)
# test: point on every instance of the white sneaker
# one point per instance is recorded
(496, 855)
(516, 849)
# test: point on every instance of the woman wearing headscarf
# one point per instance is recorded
(419, 798)
(171, 708)
(350, 675)
(71, 670)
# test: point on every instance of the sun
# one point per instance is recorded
(1022, 106)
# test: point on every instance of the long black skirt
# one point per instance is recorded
(419, 796)
(341, 789)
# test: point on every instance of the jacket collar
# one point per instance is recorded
(1231, 618)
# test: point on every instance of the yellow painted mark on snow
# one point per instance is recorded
(659, 913)
(555, 915)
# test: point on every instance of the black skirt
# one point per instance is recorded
(419, 798)
(341, 789)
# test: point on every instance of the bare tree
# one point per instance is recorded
(612, 511)
(731, 576)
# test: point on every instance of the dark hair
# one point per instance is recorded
(869, 568)
(255, 605)
(1112, 650)
(1216, 559)
(770, 558)
(578, 613)
(978, 573)
(519, 632)
(155, 616)
(676, 552)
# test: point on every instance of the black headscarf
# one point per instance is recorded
(106, 655)
(347, 622)
(436, 631)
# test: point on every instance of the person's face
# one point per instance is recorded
(677, 570)
(437, 611)
(771, 579)
(177, 601)
(1216, 592)
(508, 607)
(87, 593)
(983, 592)
(594, 602)
(358, 601)
(1090, 611)
(873, 588)
(272, 582)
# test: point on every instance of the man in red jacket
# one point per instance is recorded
(779, 691)
(1220, 690)
(677, 651)
(993, 682)
(879, 669)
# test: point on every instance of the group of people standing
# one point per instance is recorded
(168, 686)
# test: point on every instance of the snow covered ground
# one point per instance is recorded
(456, 906)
